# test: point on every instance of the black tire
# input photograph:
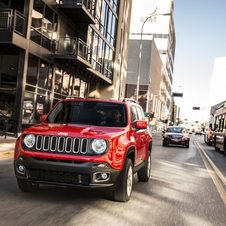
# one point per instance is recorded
(27, 186)
(187, 145)
(164, 144)
(124, 189)
(145, 172)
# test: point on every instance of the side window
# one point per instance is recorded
(140, 113)
(133, 115)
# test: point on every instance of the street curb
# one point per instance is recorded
(7, 154)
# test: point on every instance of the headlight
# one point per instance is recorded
(29, 140)
(99, 146)
(184, 137)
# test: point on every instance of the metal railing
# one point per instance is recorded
(89, 4)
(10, 21)
(73, 46)
(8, 127)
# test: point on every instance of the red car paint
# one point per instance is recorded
(121, 140)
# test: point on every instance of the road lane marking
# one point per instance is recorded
(212, 172)
(222, 177)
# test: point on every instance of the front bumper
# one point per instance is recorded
(67, 173)
(176, 142)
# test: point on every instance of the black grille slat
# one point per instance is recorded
(39, 143)
(46, 141)
(61, 144)
(84, 146)
(76, 145)
(53, 144)
(66, 145)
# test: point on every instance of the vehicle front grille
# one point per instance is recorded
(62, 145)
(59, 177)
(176, 137)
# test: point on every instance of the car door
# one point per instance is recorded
(136, 134)
(142, 132)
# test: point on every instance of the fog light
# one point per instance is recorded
(21, 169)
(101, 177)
(104, 176)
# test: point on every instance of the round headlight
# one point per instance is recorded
(99, 146)
(29, 140)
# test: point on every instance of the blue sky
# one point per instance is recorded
(200, 27)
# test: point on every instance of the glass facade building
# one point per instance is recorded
(53, 49)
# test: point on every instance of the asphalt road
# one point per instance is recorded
(182, 191)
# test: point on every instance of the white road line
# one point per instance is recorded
(212, 173)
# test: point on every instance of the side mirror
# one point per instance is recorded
(141, 124)
(43, 118)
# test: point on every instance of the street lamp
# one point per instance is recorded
(139, 62)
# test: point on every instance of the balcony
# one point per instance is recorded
(79, 11)
(74, 50)
(12, 27)
(12, 22)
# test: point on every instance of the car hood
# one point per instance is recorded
(75, 130)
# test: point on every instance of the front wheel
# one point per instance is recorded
(124, 190)
(145, 172)
(27, 186)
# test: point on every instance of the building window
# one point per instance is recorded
(28, 108)
(76, 87)
(58, 80)
(43, 74)
(65, 84)
(32, 70)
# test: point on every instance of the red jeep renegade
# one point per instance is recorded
(86, 143)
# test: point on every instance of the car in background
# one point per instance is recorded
(189, 131)
(208, 137)
(193, 130)
(176, 135)
(198, 132)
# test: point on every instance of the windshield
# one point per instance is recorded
(89, 113)
(175, 130)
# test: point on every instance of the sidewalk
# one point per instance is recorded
(7, 146)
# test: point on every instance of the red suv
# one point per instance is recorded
(87, 143)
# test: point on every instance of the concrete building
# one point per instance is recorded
(157, 58)
(218, 81)
(54, 48)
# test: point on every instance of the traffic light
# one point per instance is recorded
(196, 108)
(152, 114)
(196, 121)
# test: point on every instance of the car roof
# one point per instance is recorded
(124, 101)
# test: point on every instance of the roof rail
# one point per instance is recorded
(129, 100)
(74, 97)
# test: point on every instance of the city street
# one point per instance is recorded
(187, 187)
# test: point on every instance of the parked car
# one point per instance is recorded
(176, 135)
(86, 143)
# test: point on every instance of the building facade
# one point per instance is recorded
(51, 49)
(157, 55)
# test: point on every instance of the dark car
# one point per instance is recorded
(87, 143)
(176, 135)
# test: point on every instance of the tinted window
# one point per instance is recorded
(174, 130)
(89, 113)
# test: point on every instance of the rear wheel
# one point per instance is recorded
(124, 190)
(27, 186)
(145, 173)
